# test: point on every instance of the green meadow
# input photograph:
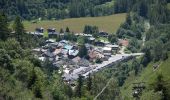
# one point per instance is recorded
(105, 23)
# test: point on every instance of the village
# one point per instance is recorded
(64, 54)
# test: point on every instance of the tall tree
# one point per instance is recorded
(82, 51)
(89, 82)
(4, 31)
(79, 86)
(19, 29)
(67, 30)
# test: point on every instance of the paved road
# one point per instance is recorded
(111, 61)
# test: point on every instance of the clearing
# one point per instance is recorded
(105, 23)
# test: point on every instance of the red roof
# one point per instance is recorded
(124, 42)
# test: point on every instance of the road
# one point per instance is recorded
(111, 61)
(84, 71)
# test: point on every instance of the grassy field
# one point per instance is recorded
(105, 23)
(148, 75)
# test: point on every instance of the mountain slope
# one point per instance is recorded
(148, 75)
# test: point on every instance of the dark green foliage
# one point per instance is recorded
(82, 51)
(134, 45)
(61, 30)
(67, 30)
(129, 19)
(79, 86)
(89, 82)
(54, 9)
(5, 60)
(136, 66)
(4, 31)
(112, 38)
(94, 30)
(156, 46)
(143, 8)
(98, 61)
(19, 30)
(161, 86)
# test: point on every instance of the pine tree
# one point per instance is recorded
(82, 51)
(67, 30)
(61, 30)
(19, 29)
(79, 86)
(129, 20)
(4, 31)
(89, 82)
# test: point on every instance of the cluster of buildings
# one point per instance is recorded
(40, 32)
(64, 54)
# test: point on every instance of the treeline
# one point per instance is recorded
(154, 10)
(55, 9)
(157, 44)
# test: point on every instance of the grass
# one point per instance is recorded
(169, 6)
(105, 23)
(148, 76)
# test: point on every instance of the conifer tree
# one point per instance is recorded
(4, 31)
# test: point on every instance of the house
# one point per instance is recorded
(68, 47)
(93, 55)
(57, 51)
(104, 34)
(98, 43)
(91, 39)
(39, 30)
(107, 51)
(76, 59)
(64, 41)
(114, 47)
(123, 42)
(72, 53)
(37, 34)
(52, 32)
(50, 41)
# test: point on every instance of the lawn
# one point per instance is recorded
(105, 23)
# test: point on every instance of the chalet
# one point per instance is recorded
(93, 55)
(68, 47)
(114, 47)
(107, 51)
(50, 41)
(91, 39)
(72, 53)
(52, 32)
(123, 42)
(98, 43)
(104, 34)
(39, 30)
(36, 34)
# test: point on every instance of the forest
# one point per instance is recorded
(55, 9)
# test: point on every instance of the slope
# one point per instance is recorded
(148, 75)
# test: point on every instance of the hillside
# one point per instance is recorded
(148, 75)
(106, 23)
(55, 9)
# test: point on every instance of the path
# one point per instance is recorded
(103, 89)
